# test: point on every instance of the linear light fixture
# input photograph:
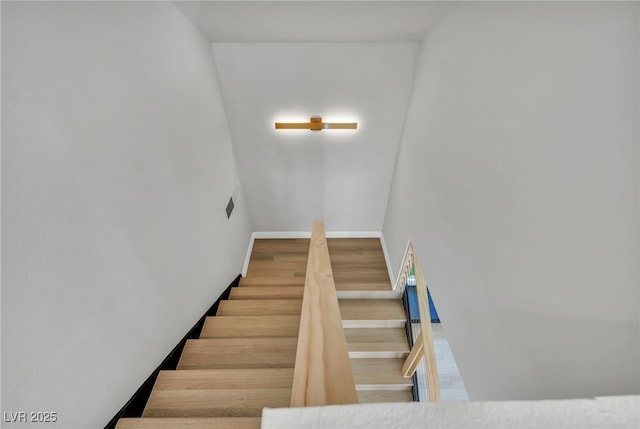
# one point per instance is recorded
(315, 124)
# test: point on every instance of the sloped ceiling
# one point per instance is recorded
(280, 61)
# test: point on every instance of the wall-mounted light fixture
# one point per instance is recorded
(315, 124)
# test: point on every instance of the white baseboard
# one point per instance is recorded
(387, 261)
(281, 234)
(353, 234)
(307, 234)
(404, 255)
(245, 267)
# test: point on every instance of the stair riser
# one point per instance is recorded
(367, 294)
(288, 292)
(370, 387)
(373, 323)
(260, 307)
(282, 281)
(378, 355)
(379, 396)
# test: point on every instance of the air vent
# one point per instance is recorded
(230, 207)
(232, 201)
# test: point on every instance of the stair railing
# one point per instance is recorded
(405, 269)
(423, 347)
(322, 373)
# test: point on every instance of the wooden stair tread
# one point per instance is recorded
(348, 270)
(380, 372)
(376, 335)
(278, 258)
(233, 378)
(239, 353)
(259, 307)
(375, 396)
(250, 326)
(271, 281)
(189, 423)
(359, 264)
(362, 313)
(296, 256)
(376, 342)
(275, 271)
(371, 309)
(281, 244)
(279, 263)
(360, 285)
(354, 259)
(363, 257)
(353, 243)
(215, 403)
(273, 292)
(367, 258)
(362, 277)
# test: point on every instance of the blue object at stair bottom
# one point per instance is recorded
(412, 294)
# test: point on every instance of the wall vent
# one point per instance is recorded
(230, 206)
(233, 200)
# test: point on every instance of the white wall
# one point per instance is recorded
(611, 412)
(517, 180)
(117, 165)
(293, 177)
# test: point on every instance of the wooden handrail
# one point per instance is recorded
(423, 346)
(322, 374)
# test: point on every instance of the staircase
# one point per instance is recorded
(244, 359)
(373, 319)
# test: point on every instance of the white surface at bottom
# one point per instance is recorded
(613, 412)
